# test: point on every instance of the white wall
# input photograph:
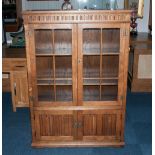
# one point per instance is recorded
(143, 23)
(41, 5)
(44, 5)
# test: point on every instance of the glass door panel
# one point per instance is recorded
(63, 42)
(110, 41)
(109, 92)
(64, 93)
(63, 78)
(43, 41)
(110, 66)
(100, 52)
(91, 66)
(91, 41)
(53, 50)
(45, 93)
(91, 93)
(44, 67)
(63, 67)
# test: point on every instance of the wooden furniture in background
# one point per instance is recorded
(77, 70)
(14, 71)
(140, 63)
(12, 15)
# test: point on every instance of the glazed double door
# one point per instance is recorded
(77, 65)
(77, 73)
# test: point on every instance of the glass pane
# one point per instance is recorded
(43, 42)
(91, 66)
(91, 93)
(63, 41)
(63, 78)
(63, 67)
(111, 41)
(91, 41)
(64, 93)
(45, 93)
(44, 67)
(109, 93)
(110, 66)
(101, 49)
(54, 64)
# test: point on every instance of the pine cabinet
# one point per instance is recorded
(14, 76)
(19, 89)
(77, 75)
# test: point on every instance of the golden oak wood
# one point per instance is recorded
(77, 73)
(19, 89)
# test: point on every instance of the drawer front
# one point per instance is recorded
(10, 64)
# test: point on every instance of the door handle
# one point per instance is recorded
(77, 125)
(80, 125)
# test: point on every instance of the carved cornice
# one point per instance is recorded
(38, 17)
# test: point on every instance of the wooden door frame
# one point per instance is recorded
(39, 137)
(31, 52)
(80, 64)
(112, 138)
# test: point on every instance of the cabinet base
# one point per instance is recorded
(77, 144)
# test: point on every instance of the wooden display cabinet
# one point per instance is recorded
(77, 71)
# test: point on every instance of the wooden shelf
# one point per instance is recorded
(45, 82)
(54, 82)
(63, 82)
(100, 81)
(57, 52)
(105, 51)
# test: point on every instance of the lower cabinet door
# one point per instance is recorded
(54, 125)
(19, 89)
(99, 125)
(78, 126)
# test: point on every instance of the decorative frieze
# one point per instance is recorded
(75, 16)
